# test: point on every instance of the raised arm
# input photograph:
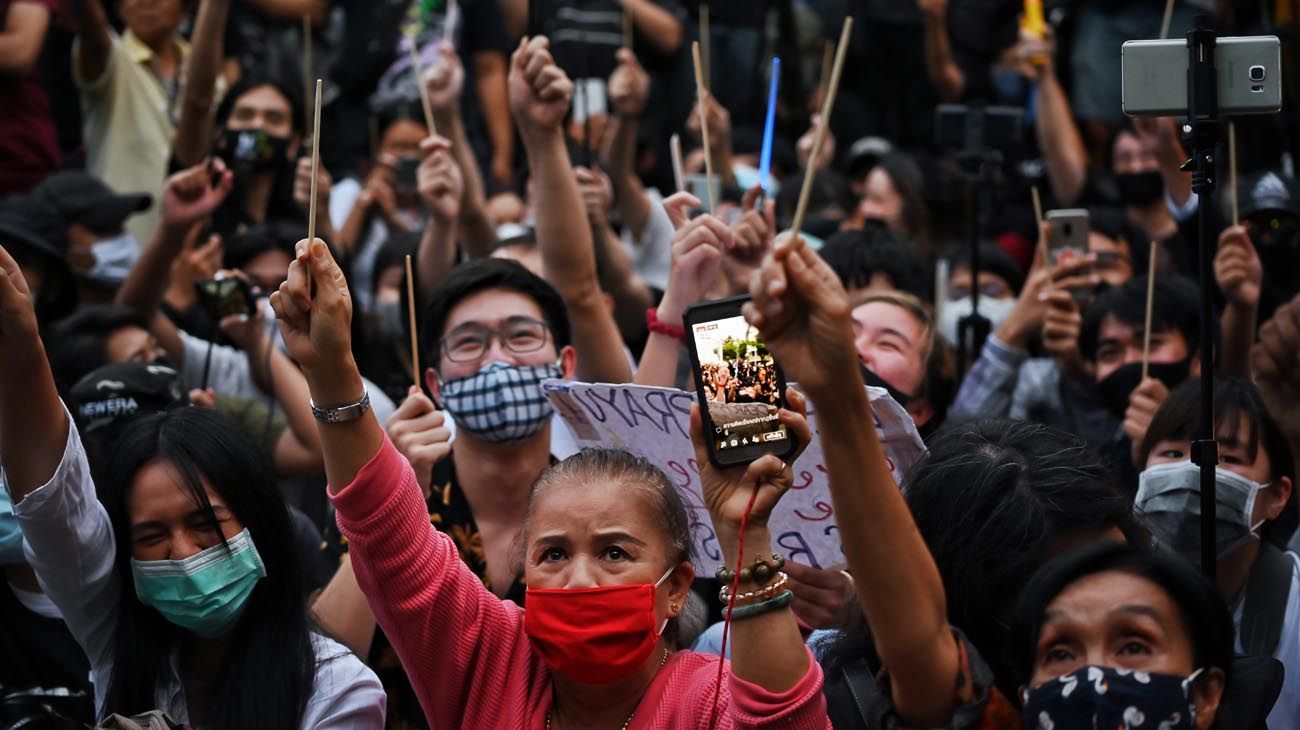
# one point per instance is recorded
(444, 81)
(629, 88)
(94, 42)
(195, 131)
(1238, 273)
(22, 37)
(660, 27)
(948, 80)
(1058, 135)
(188, 197)
(33, 424)
(539, 98)
(421, 593)
(803, 313)
(441, 186)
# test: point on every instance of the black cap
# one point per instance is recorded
(80, 197)
(120, 391)
(25, 222)
(1268, 192)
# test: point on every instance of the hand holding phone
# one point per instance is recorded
(738, 383)
(1069, 242)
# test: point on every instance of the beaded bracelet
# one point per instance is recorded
(758, 594)
(776, 603)
(761, 572)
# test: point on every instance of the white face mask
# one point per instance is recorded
(114, 258)
(1168, 501)
(996, 310)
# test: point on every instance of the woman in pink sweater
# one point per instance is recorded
(606, 559)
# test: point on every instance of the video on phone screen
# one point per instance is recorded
(738, 376)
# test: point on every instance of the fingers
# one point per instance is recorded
(678, 205)
(751, 197)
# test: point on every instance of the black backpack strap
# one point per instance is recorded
(1267, 591)
(862, 687)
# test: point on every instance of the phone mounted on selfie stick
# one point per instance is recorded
(978, 133)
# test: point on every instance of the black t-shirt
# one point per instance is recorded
(38, 651)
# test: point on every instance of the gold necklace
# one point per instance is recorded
(628, 721)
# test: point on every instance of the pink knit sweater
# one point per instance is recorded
(465, 650)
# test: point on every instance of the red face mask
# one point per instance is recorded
(593, 635)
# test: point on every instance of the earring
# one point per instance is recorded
(672, 607)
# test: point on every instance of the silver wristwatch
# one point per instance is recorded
(342, 414)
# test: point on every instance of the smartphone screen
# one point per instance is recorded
(740, 388)
(224, 297)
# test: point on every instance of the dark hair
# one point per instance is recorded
(266, 674)
(1115, 225)
(479, 275)
(253, 79)
(1179, 417)
(393, 253)
(401, 110)
(909, 182)
(257, 239)
(1202, 609)
(989, 499)
(857, 256)
(636, 474)
(829, 189)
(993, 259)
(1175, 305)
(78, 345)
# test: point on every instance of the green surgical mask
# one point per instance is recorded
(206, 592)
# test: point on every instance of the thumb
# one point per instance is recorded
(326, 271)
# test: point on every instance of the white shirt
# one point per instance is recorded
(68, 540)
(652, 252)
(1286, 711)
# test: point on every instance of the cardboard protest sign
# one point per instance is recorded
(655, 423)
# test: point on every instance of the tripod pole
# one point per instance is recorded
(1203, 123)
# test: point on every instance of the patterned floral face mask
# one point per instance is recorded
(1101, 697)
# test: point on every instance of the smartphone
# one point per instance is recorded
(1069, 240)
(1154, 76)
(225, 296)
(406, 173)
(698, 185)
(738, 383)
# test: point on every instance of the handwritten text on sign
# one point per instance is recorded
(655, 423)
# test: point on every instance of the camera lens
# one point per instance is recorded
(1256, 73)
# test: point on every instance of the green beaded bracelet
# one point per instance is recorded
(775, 603)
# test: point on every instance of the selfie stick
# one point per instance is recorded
(700, 91)
(820, 137)
(1232, 173)
(769, 129)
(1151, 295)
(675, 151)
(410, 316)
(315, 167)
(1204, 131)
(419, 83)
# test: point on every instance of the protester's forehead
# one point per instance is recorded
(262, 98)
(491, 306)
(593, 505)
(880, 315)
(1103, 597)
(160, 488)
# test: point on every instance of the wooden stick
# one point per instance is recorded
(424, 93)
(1151, 291)
(410, 316)
(1038, 219)
(307, 71)
(1232, 172)
(1168, 19)
(701, 92)
(315, 173)
(704, 40)
(628, 28)
(820, 137)
(449, 28)
(828, 57)
(675, 150)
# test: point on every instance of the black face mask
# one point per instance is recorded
(251, 151)
(1140, 189)
(870, 378)
(822, 228)
(1119, 385)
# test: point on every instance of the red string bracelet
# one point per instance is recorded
(731, 604)
(652, 322)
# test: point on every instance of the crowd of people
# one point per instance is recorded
(256, 479)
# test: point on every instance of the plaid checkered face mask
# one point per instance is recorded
(501, 403)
